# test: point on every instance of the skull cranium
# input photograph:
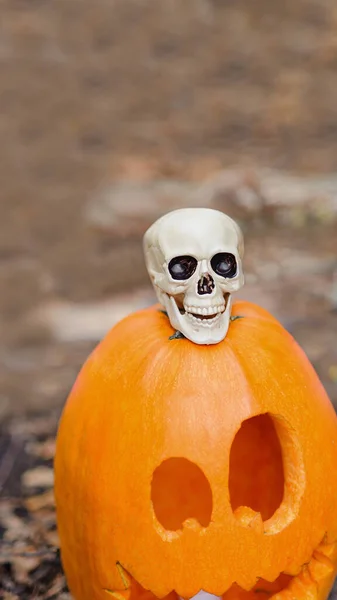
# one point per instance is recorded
(194, 259)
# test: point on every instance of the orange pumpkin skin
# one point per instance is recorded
(182, 467)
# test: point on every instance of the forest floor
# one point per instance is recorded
(112, 113)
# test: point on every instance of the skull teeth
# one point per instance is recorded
(211, 310)
(204, 322)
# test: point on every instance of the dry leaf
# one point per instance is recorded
(35, 503)
(38, 477)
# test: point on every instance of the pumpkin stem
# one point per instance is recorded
(234, 317)
(177, 336)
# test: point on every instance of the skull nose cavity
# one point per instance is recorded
(181, 494)
(206, 284)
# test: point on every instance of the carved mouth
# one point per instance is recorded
(318, 573)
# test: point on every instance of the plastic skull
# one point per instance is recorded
(194, 259)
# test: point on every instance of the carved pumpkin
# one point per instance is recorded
(182, 468)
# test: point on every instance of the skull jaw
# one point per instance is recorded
(203, 333)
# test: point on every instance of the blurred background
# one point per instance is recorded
(113, 112)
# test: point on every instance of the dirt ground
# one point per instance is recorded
(111, 113)
(98, 94)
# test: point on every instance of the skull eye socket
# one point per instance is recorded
(224, 264)
(182, 267)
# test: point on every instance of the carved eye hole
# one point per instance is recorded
(182, 267)
(224, 264)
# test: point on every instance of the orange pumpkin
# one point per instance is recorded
(182, 467)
